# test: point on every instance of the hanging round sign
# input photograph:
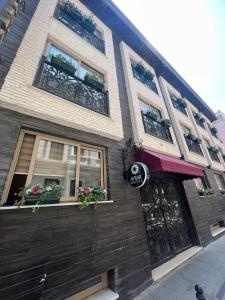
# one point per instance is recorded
(137, 174)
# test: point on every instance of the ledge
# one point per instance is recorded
(172, 264)
(53, 205)
(105, 294)
(217, 231)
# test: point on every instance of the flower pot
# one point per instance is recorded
(149, 76)
(94, 83)
(140, 69)
(181, 102)
(33, 200)
(89, 26)
(60, 65)
(151, 115)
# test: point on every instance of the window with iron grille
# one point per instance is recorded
(192, 143)
(177, 104)
(152, 121)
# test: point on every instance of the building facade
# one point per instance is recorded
(220, 125)
(80, 100)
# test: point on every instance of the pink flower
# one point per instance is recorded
(36, 190)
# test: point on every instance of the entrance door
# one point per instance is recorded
(165, 218)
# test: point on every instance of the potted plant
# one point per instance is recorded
(139, 68)
(166, 122)
(89, 24)
(182, 102)
(214, 130)
(198, 140)
(206, 192)
(61, 63)
(94, 81)
(93, 194)
(201, 119)
(73, 11)
(151, 115)
(41, 194)
(148, 76)
(190, 136)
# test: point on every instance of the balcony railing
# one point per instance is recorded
(71, 88)
(214, 155)
(193, 146)
(156, 128)
(176, 104)
(141, 78)
(62, 15)
(199, 122)
(213, 132)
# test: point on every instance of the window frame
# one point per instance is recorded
(80, 62)
(42, 136)
(220, 181)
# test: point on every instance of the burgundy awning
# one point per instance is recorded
(157, 162)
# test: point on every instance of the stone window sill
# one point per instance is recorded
(53, 205)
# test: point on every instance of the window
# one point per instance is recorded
(220, 181)
(179, 104)
(45, 159)
(73, 80)
(199, 120)
(212, 151)
(146, 77)
(152, 121)
(202, 183)
(89, 32)
(192, 141)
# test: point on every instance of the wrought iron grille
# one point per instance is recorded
(62, 15)
(176, 105)
(156, 128)
(165, 218)
(71, 88)
(214, 155)
(199, 122)
(141, 78)
(214, 133)
(193, 146)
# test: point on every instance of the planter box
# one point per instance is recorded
(94, 84)
(89, 26)
(32, 200)
(148, 76)
(76, 15)
(139, 69)
(60, 65)
(151, 116)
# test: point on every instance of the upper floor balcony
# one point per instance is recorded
(60, 79)
(193, 143)
(156, 127)
(81, 24)
(179, 104)
(146, 77)
(213, 152)
(199, 120)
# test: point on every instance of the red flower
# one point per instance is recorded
(36, 190)
(86, 190)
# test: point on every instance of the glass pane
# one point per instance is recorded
(98, 33)
(90, 168)
(58, 53)
(56, 163)
(145, 108)
(87, 70)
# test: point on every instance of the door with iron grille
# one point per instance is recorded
(165, 215)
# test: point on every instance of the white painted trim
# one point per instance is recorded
(172, 264)
(217, 231)
(52, 205)
(105, 294)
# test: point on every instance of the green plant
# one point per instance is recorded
(167, 122)
(182, 102)
(94, 194)
(149, 76)
(64, 60)
(139, 67)
(94, 80)
(206, 192)
(89, 23)
(151, 115)
(73, 10)
(40, 193)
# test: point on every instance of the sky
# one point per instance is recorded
(190, 34)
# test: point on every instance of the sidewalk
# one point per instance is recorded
(206, 269)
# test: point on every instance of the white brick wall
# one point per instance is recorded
(18, 93)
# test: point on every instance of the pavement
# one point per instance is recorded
(206, 269)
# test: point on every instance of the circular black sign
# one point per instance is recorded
(137, 174)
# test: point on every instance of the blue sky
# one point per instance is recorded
(190, 34)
